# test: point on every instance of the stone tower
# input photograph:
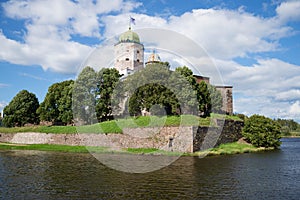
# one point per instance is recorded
(129, 53)
(153, 58)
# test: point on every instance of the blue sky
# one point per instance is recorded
(254, 43)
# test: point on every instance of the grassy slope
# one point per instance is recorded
(224, 149)
(115, 126)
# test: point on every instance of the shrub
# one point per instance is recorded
(262, 131)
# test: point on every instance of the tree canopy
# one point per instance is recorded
(107, 80)
(158, 89)
(84, 97)
(262, 131)
(57, 105)
(288, 126)
(21, 110)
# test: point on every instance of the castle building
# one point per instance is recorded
(153, 58)
(129, 58)
(129, 53)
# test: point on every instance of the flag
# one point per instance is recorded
(132, 20)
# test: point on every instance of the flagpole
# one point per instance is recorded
(130, 23)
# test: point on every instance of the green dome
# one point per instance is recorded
(129, 36)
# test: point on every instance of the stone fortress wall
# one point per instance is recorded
(179, 139)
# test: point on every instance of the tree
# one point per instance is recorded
(57, 105)
(262, 131)
(107, 80)
(153, 96)
(21, 110)
(150, 89)
(216, 99)
(204, 99)
(287, 126)
(209, 99)
(84, 97)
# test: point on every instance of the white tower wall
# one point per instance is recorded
(129, 56)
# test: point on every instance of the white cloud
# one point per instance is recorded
(48, 51)
(50, 25)
(2, 105)
(3, 85)
(268, 87)
(224, 34)
(295, 109)
(289, 11)
(290, 95)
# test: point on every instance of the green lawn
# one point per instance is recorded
(116, 126)
(223, 149)
(232, 148)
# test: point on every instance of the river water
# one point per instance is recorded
(53, 175)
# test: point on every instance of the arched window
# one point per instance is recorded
(127, 59)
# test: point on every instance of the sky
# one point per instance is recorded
(253, 44)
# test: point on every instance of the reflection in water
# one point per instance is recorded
(49, 175)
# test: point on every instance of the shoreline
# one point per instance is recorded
(291, 136)
(223, 149)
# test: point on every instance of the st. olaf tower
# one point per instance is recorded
(129, 53)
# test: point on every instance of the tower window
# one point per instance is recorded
(127, 59)
(138, 60)
(137, 51)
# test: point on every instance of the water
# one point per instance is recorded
(52, 175)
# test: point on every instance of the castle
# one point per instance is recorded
(129, 57)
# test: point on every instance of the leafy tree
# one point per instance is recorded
(262, 131)
(84, 97)
(107, 80)
(57, 105)
(204, 99)
(241, 116)
(287, 125)
(21, 110)
(209, 99)
(216, 99)
(150, 89)
(146, 96)
(188, 93)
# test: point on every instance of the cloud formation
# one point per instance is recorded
(50, 26)
(267, 83)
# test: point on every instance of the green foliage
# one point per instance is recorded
(141, 150)
(84, 97)
(288, 126)
(204, 99)
(241, 116)
(208, 97)
(216, 99)
(40, 129)
(107, 81)
(46, 147)
(21, 110)
(160, 91)
(116, 126)
(262, 131)
(148, 89)
(57, 105)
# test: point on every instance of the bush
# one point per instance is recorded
(262, 131)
